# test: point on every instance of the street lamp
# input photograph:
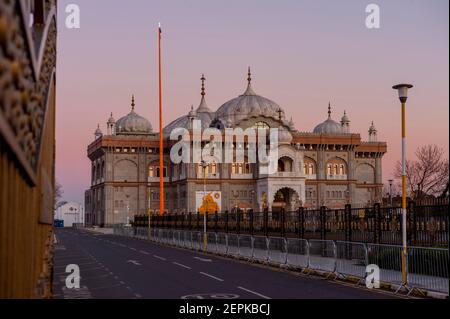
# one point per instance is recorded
(204, 165)
(390, 191)
(403, 96)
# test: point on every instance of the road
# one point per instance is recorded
(114, 267)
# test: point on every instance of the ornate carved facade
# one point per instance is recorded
(27, 146)
(327, 167)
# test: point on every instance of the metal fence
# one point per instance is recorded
(427, 268)
(426, 225)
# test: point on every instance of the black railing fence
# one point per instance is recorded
(426, 225)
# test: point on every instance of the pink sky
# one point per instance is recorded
(302, 53)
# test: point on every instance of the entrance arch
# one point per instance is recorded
(285, 198)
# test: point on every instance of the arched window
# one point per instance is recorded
(336, 168)
(241, 168)
(285, 164)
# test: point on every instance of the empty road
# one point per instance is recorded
(118, 267)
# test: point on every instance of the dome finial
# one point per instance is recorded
(203, 85)
(249, 90)
(132, 103)
(329, 110)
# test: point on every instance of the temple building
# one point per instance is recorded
(330, 166)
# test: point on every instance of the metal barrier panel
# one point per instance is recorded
(154, 234)
(351, 259)
(169, 237)
(260, 248)
(160, 235)
(297, 252)
(245, 246)
(428, 268)
(197, 240)
(389, 259)
(221, 243)
(233, 245)
(177, 238)
(277, 250)
(186, 238)
(212, 243)
(322, 255)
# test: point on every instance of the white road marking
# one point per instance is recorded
(211, 276)
(181, 265)
(253, 292)
(160, 258)
(133, 248)
(134, 262)
(203, 259)
(144, 252)
(122, 245)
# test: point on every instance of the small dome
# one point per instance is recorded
(133, 123)
(345, 118)
(329, 126)
(372, 128)
(248, 105)
(98, 132)
(284, 136)
(111, 119)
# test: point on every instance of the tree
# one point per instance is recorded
(428, 174)
(58, 195)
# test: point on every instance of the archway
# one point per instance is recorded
(286, 199)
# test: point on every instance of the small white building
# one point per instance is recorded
(71, 213)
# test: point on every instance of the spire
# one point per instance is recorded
(203, 85)
(329, 110)
(249, 90)
(132, 103)
(203, 107)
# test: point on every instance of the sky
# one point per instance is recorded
(303, 54)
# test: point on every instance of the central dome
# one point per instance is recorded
(248, 105)
(329, 126)
(133, 123)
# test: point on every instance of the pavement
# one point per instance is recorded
(115, 267)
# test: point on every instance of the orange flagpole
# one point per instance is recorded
(161, 145)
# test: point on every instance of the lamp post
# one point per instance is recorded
(204, 165)
(403, 96)
(390, 191)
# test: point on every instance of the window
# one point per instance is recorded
(241, 168)
(153, 171)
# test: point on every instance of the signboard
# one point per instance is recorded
(210, 202)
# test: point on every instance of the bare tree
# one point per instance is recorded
(428, 174)
(58, 195)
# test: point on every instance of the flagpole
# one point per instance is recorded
(161, 145)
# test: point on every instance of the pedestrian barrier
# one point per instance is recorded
(351, 259)
(221, 243)
(260, 248)
(197, 240)
(389, 259)
(427, 268)
(233, 245)
(277, 250)
(245, 246)
(297, 253)
(212, 243)
(322, 255)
